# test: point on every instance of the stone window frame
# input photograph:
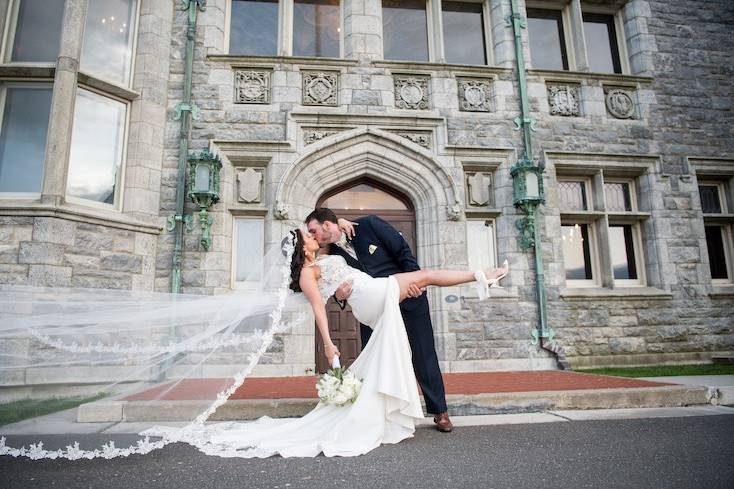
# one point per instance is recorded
(591, 217)
(285, 29)
(120, 177)
(573, 29)
(46, 73)
(235, 216)
(598, 168)
(434, 30)
(721, 173)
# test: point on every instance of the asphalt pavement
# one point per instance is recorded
(665, 452)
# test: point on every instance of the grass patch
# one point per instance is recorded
(664, 370)
(15, 411)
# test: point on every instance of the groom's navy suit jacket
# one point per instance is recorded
(390, 255)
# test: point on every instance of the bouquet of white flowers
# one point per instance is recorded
(338, 386)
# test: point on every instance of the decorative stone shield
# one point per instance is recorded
(320, 88)
(620, 103)
(474, 95)
(249, 185)
(411, 92)
(563, 100)
(478, 184)
(251, 87)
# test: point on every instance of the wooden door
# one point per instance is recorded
(343, 327)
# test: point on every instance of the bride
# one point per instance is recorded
(388, 404)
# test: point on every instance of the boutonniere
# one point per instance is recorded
(371, 248)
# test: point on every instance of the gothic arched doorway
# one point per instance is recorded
(352, 200)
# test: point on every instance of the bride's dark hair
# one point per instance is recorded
(295, 237)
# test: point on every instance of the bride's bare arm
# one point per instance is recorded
(310, 289)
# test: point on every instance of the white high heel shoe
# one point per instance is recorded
(483, 283)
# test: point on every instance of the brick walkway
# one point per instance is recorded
(456, 383)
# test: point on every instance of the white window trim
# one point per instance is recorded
(284, 36)
(633, 193)
(242, 285)
(120, 177)
(133, 48)
(593, 255)
(440, 40)
(3, 95)
(586, 181)
(721, 194)
(618, 31)
(564, 8)
(641, 279)
(493, 243)
(726, 231)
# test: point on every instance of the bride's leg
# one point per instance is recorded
(441, 278)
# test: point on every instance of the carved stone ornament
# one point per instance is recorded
(620, 103)
(474, 95)
(563, 100)
(320, 88)
(411, 92)
(249, 185)
(251, 87)
(479, 185)
(280, 212)
(419, 138)
(310, 136)
(454, 212)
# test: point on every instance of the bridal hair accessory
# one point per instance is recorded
(338, 386)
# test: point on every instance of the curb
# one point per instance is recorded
(459, 405)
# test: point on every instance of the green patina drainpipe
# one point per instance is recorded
(185, 110)
(529, 195)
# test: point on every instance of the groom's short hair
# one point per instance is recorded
(322, 214)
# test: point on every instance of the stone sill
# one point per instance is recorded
(722, 291)
(584, 294)
(718, 218)
(78, 214)
(107, 87)
(28, 70)
(426, 66)
(482, 213)
(575, 76)
(236, 61)
(243, 210)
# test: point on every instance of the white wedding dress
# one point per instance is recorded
(385, 411)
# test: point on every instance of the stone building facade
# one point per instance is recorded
(639, 156)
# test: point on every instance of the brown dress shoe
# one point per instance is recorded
(443, 423)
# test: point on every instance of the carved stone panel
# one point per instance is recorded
(411, 92)
(479, 188)
(320, 88)
(249, 185)
(310, 136)
(620, 102)
(563, 100)
(419, 138)
(475, 95)
(251, 87)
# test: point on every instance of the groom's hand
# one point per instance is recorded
(415, 291)
(347, 227)
(343, 292)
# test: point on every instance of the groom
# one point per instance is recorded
(379, 250)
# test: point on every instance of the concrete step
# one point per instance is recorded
(459, 404)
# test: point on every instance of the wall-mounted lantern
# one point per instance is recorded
(203, 181)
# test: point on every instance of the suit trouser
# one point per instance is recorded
(425, 360)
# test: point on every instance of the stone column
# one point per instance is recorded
(362, 29)
(56, 158)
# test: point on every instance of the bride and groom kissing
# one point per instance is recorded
(378, 249)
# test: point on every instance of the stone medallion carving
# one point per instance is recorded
(479, 188)
(563, 100)
(411, 92)
(249, 185)
(474, 95)
(620, 103)
(310, 136)
(320, 88)
(251, 87)
(419, 138)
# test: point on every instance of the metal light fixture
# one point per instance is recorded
(203, 181)
(527, 183)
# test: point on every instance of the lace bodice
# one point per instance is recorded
(334, 271)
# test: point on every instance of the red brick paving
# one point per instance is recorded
(456, 383)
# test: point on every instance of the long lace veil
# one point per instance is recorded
(143, 350)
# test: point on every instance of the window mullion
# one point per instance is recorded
(606, 267)
(436, 51)
(575, 38)
(285, 27)
(58, 142)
